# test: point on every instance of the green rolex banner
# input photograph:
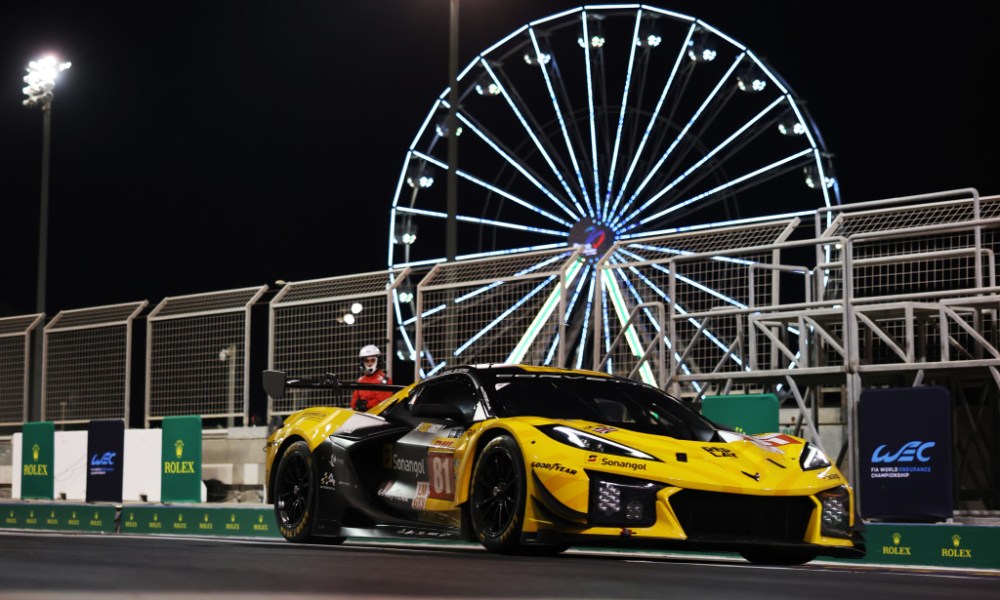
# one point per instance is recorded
(180, 479)
(37, 453)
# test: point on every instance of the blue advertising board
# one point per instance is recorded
(905, 444)
(105, 460)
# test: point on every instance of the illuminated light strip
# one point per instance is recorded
(534, 138)
(621, 115)
(576, 293)
(683, 133)
(525, 271)
(680, 309)
(542, 188)
(512, 251)
(434, 311)
(481, 290)
(513, 198)
(607, 330)
(732, 183)
(618, 302)
(552, 350)
(436, 368)
(708, 156)
(652, 120)
(544, 314)
(562, 122)
(479, 182)
(478, 221)
(458, 351)
(679, 252)
(590, 104)
(589, 307)
(718, 224)
(699, 286)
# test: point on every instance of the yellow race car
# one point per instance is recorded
(534, 460)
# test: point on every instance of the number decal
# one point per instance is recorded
(442, 475)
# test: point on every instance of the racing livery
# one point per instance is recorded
(534, 460)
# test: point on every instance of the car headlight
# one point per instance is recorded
(812, 458)
(836, 517)
(591, 443)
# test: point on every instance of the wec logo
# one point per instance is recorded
(907, 453)
(108, 460)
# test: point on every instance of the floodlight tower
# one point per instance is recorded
(41, 83)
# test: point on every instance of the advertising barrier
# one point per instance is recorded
(105, 460)
(181, 459)
(904, 443)
(37, 464)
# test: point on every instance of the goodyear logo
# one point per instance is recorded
(554, 467)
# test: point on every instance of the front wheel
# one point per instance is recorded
(497, 497)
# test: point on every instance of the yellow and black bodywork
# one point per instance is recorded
(535, 460)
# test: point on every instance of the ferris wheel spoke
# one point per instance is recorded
(543, 68)
(738, 134)
(519, 115)
(612, 167)
(683, 133)
(508, 158)
(763, 171)
(653, 120)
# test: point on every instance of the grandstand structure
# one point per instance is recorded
(814, 308)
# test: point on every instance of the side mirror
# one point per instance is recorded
(274, 383)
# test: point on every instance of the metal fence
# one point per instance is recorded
(897, 292)
(15, 363)
(319, 326)
(86, 369)
(505, 309)
(198, 355)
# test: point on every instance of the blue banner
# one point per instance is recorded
(905, 454)
(105, 460)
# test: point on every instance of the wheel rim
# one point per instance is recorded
(497, 493)
(294, 489)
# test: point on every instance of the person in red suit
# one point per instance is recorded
(370, 359)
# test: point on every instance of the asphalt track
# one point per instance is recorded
(35, 566)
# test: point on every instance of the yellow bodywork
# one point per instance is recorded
(750, 465)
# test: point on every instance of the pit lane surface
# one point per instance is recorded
(36, 566)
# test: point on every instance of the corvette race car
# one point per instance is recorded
(534, 460)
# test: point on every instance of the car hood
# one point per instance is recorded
(739, 463)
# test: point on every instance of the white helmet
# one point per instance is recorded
(367, 352)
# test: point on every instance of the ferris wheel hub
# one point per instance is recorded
(596, 235)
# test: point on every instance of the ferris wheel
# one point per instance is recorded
(599, 124)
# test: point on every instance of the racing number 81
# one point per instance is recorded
(442, 476)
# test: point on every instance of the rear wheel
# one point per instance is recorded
(295, 496)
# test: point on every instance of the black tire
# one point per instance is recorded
(295, 494)
(777, 557)
(497, 497)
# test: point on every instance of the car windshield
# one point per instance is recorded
(622, 403)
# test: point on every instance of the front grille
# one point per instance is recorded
(713, 515)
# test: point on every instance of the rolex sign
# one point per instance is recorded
(180, 474)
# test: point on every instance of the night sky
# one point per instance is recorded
(212, 145)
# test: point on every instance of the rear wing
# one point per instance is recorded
(276, 382)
